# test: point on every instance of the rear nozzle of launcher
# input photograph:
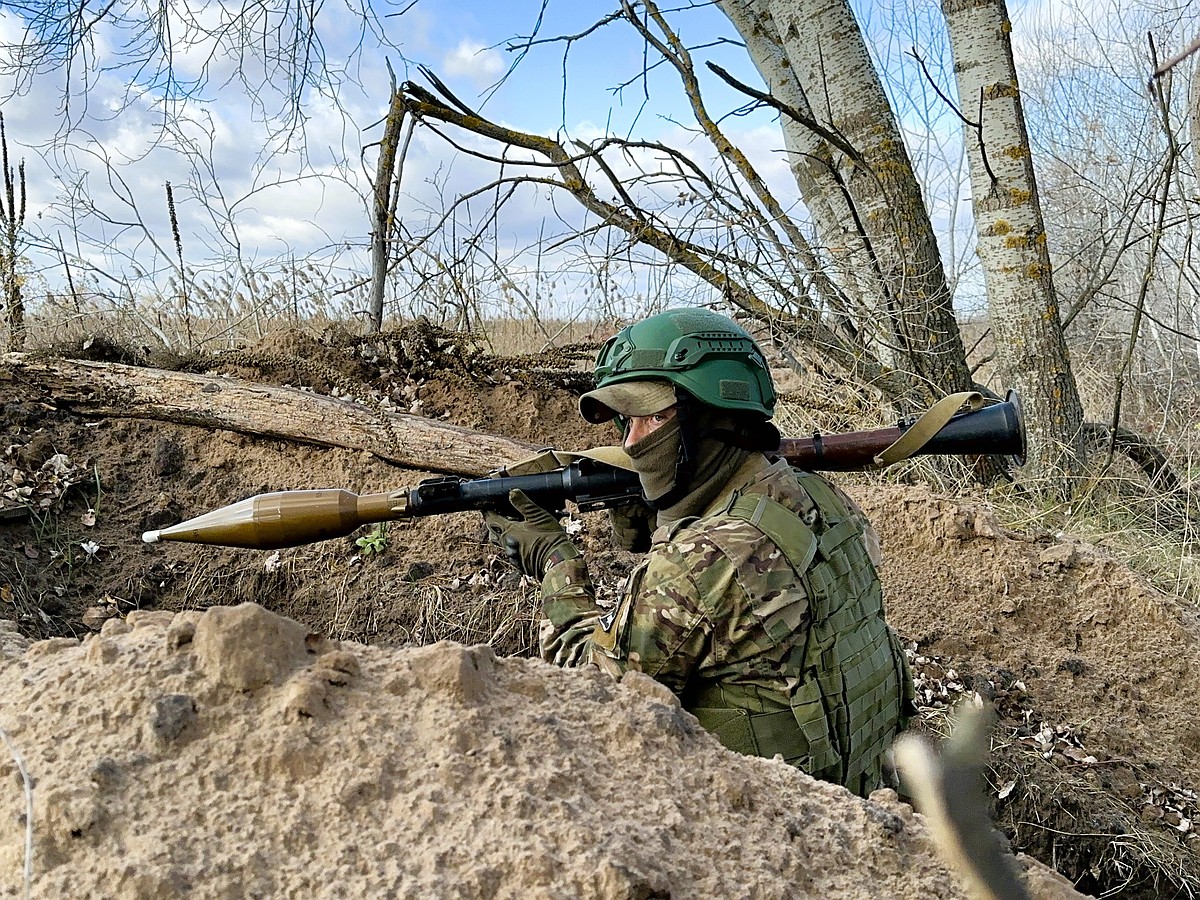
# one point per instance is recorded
(285, 519)
(996, 429)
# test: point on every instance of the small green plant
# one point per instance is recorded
(374, 541)
(92, 513)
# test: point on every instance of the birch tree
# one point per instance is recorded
(1194, 114)
(849, 160)
(1023, 308)
(1116, 188)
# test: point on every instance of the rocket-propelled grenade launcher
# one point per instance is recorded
(994, 430)
(291, 518)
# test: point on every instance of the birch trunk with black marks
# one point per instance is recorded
(857, 181)
(1031, 348)
(1194, 115)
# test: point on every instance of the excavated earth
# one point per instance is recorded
(363, 717)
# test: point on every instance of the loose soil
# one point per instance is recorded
(322, 742)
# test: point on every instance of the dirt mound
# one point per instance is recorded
(1094, 765)
(1095, 762)
(1084, 635)
(236, 754)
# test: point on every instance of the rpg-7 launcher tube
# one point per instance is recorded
(587, 484)
(285, 519)
(291, 518)
(997, 430)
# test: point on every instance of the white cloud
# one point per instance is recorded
(306, 196)
(474, 61)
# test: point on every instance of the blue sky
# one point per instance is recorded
(319, 205)
(309, 200)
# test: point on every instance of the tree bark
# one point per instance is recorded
(857, 180)
(1194, 115)
(807, 154)
(383, 206)
(229, 404)
(1031, 347)
(12, 218)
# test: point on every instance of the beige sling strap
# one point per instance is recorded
(931, 422)
(551, 459)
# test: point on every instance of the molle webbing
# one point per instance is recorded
(844, 713)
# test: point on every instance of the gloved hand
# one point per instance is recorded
(632, 524)
(533, 542)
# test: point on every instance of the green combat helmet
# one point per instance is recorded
(706, 354)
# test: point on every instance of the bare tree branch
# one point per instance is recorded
(702, 261)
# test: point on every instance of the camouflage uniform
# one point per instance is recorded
(759, 605)
(776, 645)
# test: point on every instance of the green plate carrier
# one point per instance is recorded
(855, 689)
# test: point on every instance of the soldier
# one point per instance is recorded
(758, 601)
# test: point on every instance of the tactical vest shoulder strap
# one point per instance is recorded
(823, 495)
(794, 539)
(677, 526)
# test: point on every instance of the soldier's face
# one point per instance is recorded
(639, 427)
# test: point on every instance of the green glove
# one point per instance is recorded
(534, 542)
(632, 524)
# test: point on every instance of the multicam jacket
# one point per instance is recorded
(764, 615)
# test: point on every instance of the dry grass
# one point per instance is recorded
(1067, 816)
(1155, 533)
(222, 312)
(350, 596)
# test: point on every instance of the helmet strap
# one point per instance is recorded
(760, 435)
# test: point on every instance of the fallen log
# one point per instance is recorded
(257, 410)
